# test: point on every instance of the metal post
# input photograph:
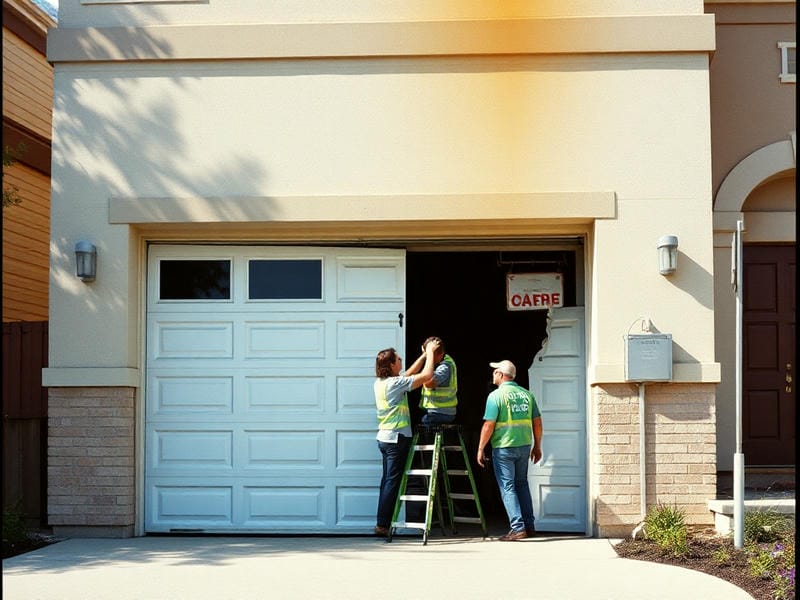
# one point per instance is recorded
(738, 457)
(642, 457)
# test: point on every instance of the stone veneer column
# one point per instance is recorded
(91, 462)
(680, 447)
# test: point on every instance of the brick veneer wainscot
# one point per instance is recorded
(91, 461)
(680, 448)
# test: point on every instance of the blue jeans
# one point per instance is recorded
(437, 418)
(394, 462)
(511, 472)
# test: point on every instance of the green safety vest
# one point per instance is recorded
(390, 417)
(514, 422)
(444, 396)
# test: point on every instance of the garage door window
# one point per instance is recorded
(285, 279)
(195, 280)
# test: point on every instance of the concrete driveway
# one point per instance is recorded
(309, 568)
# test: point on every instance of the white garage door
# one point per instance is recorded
(260, 415)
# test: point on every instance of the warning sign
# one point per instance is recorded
(534, 291)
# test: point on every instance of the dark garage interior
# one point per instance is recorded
(461, 297)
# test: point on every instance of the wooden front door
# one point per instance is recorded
(768, 397)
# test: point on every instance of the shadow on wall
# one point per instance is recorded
(114, 138)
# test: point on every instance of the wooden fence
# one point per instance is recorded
(25, 420)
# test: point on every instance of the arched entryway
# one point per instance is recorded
(760, 191)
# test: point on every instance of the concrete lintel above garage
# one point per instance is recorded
(575, 207)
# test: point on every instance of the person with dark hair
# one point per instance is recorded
(512, 421)
(439, 394)
(394, 421)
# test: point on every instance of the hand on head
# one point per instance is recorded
(433, 345)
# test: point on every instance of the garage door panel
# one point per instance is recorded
(268, 394)
(204, 394)
(281, 506)
(358, 450)
(260, 414)
(559, 504)
(564, 450)
(295, 450)
(361, 279)
(559, 395)
(192, 506)
(355, 396)
(362, 339)
(285, 340)
(355, 506)
(192, 339)
(192, 449)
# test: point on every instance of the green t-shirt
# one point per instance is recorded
(513, 409)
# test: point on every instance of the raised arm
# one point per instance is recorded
(427, 371)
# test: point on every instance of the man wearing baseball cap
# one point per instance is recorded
(512, 421)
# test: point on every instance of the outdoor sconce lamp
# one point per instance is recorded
(85, 261)
(667, 254)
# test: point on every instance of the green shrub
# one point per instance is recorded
(14, 528)
(721, 556)
(763, 526)
(762, 564)
(666, 526)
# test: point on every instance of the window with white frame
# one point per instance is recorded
(788, 61)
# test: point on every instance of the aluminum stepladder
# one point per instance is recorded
(438, 466)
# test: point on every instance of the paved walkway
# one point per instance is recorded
(311, 568)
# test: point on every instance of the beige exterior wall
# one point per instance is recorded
(481, 136)
(751, 107)
(753, 120)
(408, 129)
(109, 13)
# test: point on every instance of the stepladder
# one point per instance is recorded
(437, 477)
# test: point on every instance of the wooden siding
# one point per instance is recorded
(27, 86)
(26, 243)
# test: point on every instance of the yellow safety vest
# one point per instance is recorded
(444, 396)
(390, 417)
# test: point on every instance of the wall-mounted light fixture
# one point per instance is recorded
(85, 260)
(667, 254)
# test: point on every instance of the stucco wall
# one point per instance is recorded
(752, 117)
(600, 128)
(104, 13)
(385, 128)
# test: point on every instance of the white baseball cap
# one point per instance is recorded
(505, 366)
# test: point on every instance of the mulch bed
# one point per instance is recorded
(700, 557)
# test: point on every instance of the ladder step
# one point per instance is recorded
(438, 464)
(409, 525)
(415, 497)
(462, 496)
(467, 520)
(419, 472)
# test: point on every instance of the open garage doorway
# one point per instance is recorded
(461, 297)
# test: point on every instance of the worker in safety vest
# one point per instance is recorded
(512, 421)
(439, 394)
(394, 421)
